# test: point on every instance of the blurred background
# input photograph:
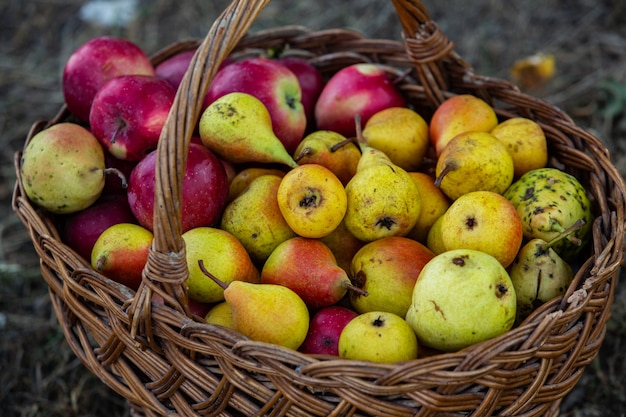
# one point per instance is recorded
(39, 376)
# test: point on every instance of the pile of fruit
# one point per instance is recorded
(323, 214)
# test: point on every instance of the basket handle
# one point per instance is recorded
(166, 270)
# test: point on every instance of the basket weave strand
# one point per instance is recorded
(164, 361)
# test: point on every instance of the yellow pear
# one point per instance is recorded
(383, 199)
(220, 314)
(526, 142)
(343, 244)
(238, 128)
(243, 178)
(434, 204)
(434, 240)
(254, 218)
(401, 133)
(312, 200)
(474, 161)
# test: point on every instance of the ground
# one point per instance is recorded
(41, 377)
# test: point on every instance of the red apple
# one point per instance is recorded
(128, 114)
(81, 229)
(173, 68)
(204, 189)
(311, 83)
(275, 85)
(324, 330)
(93, 64)
(362, 89)
(115, 184)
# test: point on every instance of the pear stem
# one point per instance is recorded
(449, 167)
(359, 132)
(119, 173)
(357, 290)
(565, 234)
(210, 275)
(341, 144)
(304, 152)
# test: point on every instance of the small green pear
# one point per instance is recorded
(549, 201)
(383, 199)
(238, 128)
(266, 312)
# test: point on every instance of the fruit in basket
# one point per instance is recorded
(117, 184)
(474, 161)
(312, 200)
(81, 229)
(223, 255)
(401, 133)
(310, 269)
(243, 178)
(93, 64)
(549, 201)
(378, 336)
(461, 297)
(343, 244)
(121, 252)
(238, 128)
(128, 114)
(311, 83)
(324, 330)
(266, 312)
(63, 168)
(173, 68)
(254, 218)
(434, 240)
(526, 143)
(330, 149)
(362, 89)
(458, 114)
(387, 269)
(271, 83)
(383, 199)
(434, 205)
(220, 314)
(204, 189)
(485, 221)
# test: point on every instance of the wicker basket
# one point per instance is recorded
(164, 361)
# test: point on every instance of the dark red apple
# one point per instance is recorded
(324, 330)
(204, 189)
(116, 184)
(275, 85)
(128, 114)
(93, 64)
(173, 69)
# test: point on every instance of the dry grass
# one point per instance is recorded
(41, 377)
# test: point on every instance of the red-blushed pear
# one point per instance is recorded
(387, 269)
(121, 253)
(128, 114)
(324, 330)
(311, 83)
(363, 89)
(204, 189)
(274, 85)
(343, 244)
(93, 64)
(81, 229)
(309, 268)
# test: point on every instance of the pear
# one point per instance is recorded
(266, 312)
(243, 178)
(549, 201)
(254, 218)
(220, 314)
(539, 273)
(383, 199)
(238, 128)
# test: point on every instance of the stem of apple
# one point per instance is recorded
(119, 173)
(210, 275)
(565, 234)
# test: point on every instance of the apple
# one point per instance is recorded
(93, 64)
(204, 189)
(324, 330)
(311, 83)
(173, 69)
(274, 85)
(81, 229)
(363, 89)
(128, 114)
(117, 184)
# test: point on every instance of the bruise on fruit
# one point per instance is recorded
(310, 198)
(358, 280)
(530, 193)
(459, 260)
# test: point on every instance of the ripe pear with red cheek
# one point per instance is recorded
(309, 268)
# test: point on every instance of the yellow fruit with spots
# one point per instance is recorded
(525, 141)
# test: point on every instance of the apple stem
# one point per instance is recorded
(210, 275)
(566, 233)
(357, 290)
(119, 173)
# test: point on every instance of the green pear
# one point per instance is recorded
(549, 201)
(63, 168)
(220, 314)
(383, 199)
(254, 218)
(461, 297)
(378, 336)
(266, 312)
(238, 128)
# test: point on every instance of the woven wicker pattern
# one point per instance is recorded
(164, 361)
